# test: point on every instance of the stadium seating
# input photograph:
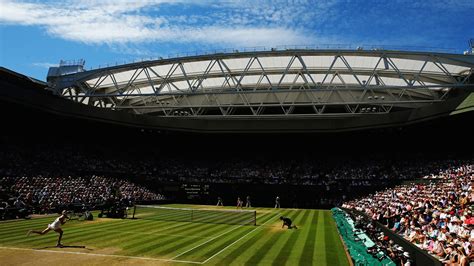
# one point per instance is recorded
(38, 194)
(435, 215)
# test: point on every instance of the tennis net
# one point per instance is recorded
(149, 212)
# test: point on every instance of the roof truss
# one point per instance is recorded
(293, 87)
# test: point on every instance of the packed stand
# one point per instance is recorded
(436, 215)
(334, 177)
(331, 172)
(21, 196)
(383, 243)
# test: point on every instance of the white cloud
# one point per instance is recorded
(122, 22)
(229, 23)
(44, 65)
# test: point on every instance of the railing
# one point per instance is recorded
(370, 47)
(79, 62)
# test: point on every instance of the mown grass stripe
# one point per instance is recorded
(320, 247)
(266, 245)
(310, 241)
(51, 237)
(263, 217)
(23, 229)
(148, 247)
(75, 234)
(194, 246)
(284, 235)
(20, 237)
(175, 246)
(82, 254)
(77, 230)
(25, 226)
(288, 246)
(195, 226)
(241, 249)
(208, 216)
(186, 217)
(236, 241)
(186, 229)
(111, 239)
(214, 245)
(337, 248)
(17, 236)
(317, 241)
(11, 236)
(129, 243)
(221, 244)
(258, 256)
(331, 252)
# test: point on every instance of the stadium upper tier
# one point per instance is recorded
(270, 83)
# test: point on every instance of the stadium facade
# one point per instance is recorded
(290, 90)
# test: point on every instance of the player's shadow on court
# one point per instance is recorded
(65, 246)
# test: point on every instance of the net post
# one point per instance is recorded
(255, 218)
(134, 210)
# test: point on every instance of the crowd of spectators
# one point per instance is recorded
(330, 171)
(334, 177)
(24, 195)
(435, 215)
(382, 243)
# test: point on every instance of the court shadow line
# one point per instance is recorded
(64, 246)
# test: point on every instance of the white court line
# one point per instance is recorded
(103, 255)
(222, 250)
(207, 241)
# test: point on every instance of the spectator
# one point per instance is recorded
(435, 216)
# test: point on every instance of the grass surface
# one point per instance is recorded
(151, 241)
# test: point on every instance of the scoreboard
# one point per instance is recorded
(195, 191)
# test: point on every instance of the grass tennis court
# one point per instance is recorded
(150, 241)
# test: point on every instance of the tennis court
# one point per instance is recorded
(177, 241)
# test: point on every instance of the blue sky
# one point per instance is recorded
(37, 34)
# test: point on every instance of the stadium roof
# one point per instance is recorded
(270, 83)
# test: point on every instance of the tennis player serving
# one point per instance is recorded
(55, 226)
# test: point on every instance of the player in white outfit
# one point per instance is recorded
(55, 226)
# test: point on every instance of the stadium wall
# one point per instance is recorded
(262, 195)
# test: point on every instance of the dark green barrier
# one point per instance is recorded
(356, 247)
